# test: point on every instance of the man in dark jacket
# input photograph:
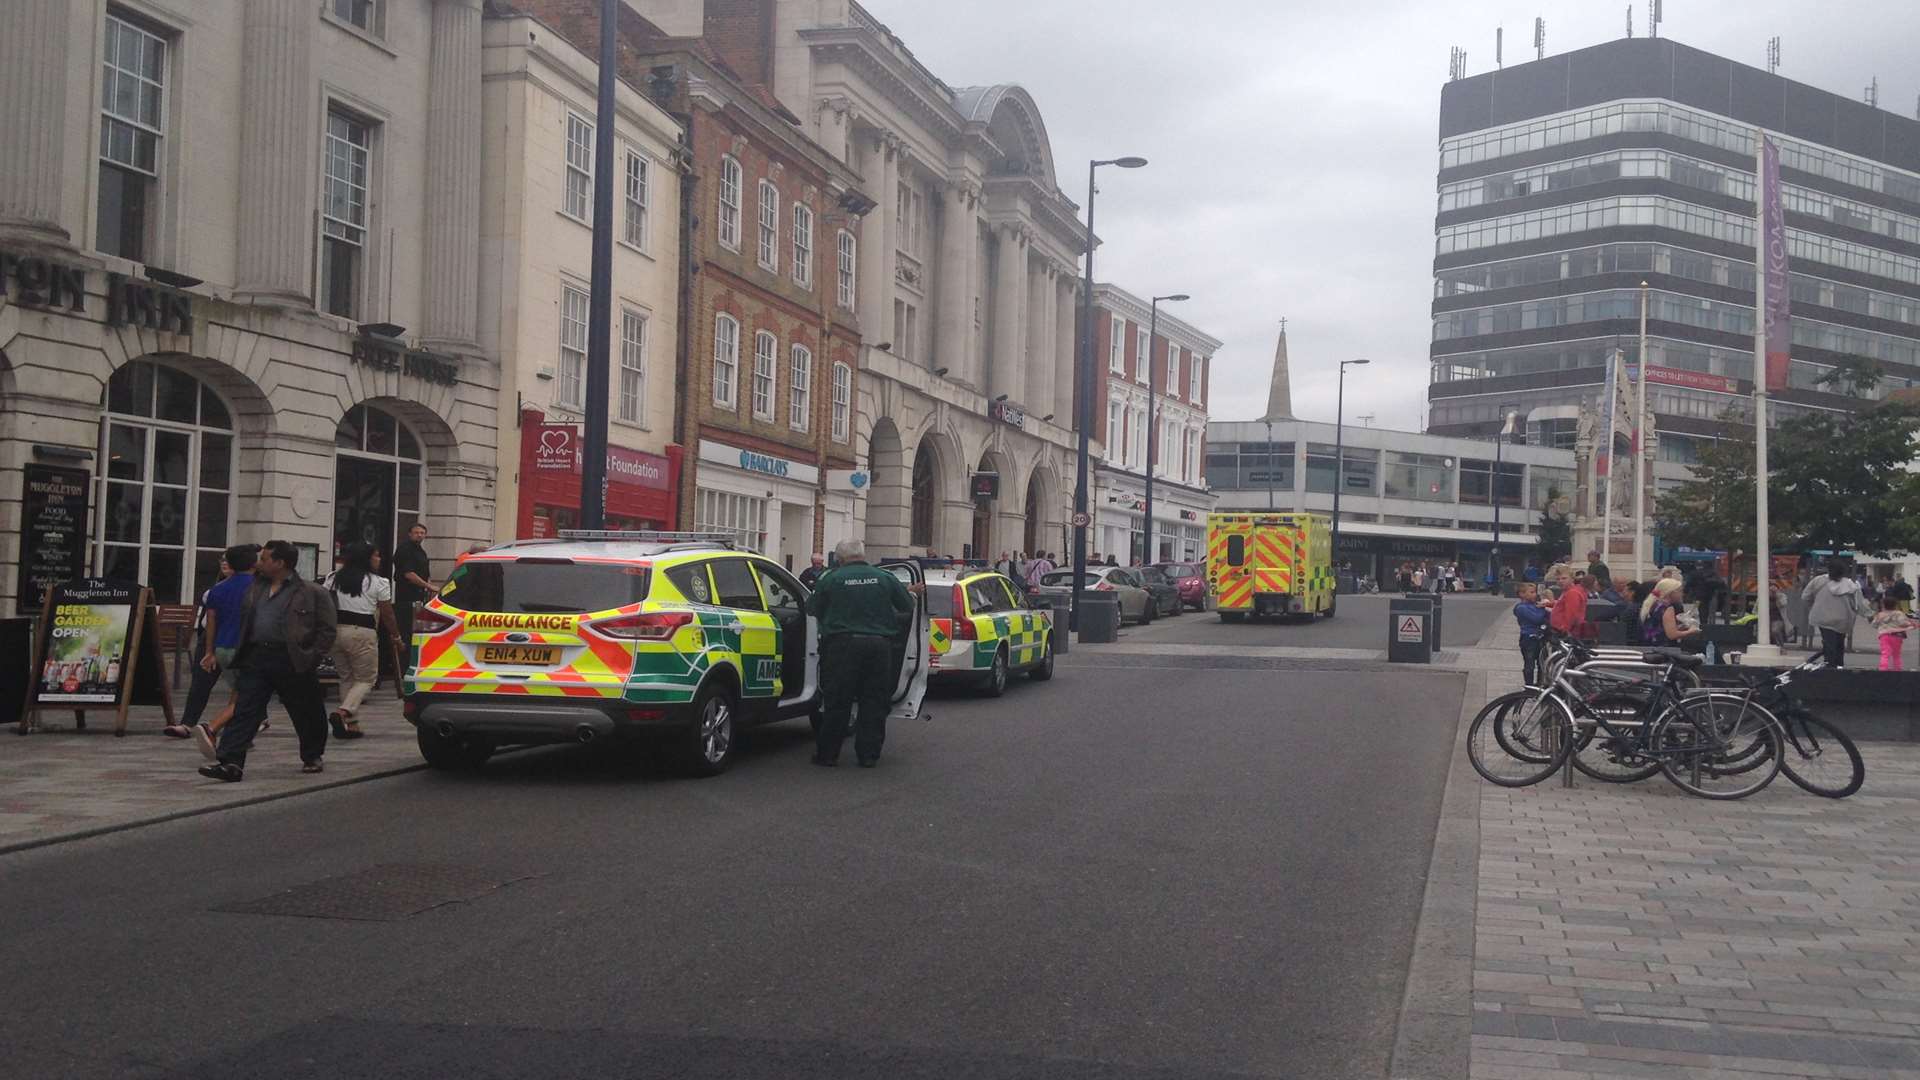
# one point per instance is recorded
(860, 608)
(287, 625)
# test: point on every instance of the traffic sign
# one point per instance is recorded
(1081, 520)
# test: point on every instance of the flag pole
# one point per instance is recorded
(1640, 471)
(1763, 649)
(1613, 464)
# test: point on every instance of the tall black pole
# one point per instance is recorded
(1147, 550)
(1339, 461)
(1499, 449)
(593, 466)
(1083, 381)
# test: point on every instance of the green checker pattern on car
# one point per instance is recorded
(1321, 578)
(1023, 632)
(664, 674)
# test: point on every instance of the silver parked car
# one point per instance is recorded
(1136, 604)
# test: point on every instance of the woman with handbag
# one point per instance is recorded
(365, 603)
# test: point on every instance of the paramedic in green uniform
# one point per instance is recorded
(861, 609)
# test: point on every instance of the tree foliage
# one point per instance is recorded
(1838, 480)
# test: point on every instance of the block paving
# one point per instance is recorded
(1635, 931)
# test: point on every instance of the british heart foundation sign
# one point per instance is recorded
(555, 447)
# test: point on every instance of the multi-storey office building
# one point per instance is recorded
(1567, 182)
(238, 284)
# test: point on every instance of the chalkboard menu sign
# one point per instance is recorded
(53, 527)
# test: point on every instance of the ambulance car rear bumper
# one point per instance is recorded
(529, 720)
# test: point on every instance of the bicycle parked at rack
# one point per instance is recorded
(1703, 743)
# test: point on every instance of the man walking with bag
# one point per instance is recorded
(287, 625)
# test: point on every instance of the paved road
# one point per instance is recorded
(1150, 871)
(1360, 623)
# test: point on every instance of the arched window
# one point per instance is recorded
(925, 498)
(378, 479)
(166, 493)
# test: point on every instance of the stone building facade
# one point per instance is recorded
(239, 248)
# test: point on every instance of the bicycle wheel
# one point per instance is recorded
(1612, 749)
(1706, 748)
(1753, 752)
(1543, 726)
(1820, 757)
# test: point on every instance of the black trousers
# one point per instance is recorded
(855, 669)
(1833, 647)
(268, 671)
(199, 691)
(1530, 659)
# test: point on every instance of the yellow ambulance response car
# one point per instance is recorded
(1270, 564)
(675, 635)
(982, 630)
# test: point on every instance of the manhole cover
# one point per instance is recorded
(382, 893)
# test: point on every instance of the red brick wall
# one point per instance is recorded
(741, 34)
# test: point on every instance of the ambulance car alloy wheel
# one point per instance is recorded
(996, 683)
(1043, 670)
(708, 745)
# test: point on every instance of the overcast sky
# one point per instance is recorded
(1294, 146)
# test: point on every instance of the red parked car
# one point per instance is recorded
(1190, 579)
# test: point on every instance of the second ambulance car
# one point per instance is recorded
(982, 630)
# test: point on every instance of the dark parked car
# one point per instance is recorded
(1166, 595)
(1190, 579)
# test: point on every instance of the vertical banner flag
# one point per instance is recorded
(1773, 252)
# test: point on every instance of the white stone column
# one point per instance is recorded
(954, 276)
(890, 239)
(1039, 380)
(277, 140)
(875, 266)
(1005, 374)
(1066, 297)
(33, 83)
(451, 288)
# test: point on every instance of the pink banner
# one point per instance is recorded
(1778, 324)
(1698, 380)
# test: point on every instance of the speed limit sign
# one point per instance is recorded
(1081, 520)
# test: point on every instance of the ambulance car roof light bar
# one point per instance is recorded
(649, 536)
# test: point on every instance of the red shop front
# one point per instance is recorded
(641, 487)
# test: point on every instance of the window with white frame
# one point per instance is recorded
(769, 226)
(165, 496)
(1142, 356)
(906, 329)
(1191, 468)
(1116, 433)
(633, 366)
(910, 211)
(132, 129)
(1137, 443)
(639, 229)
(726, 360)
(1167, 456)
(358, 13)
(578, 197)
(1196, 362)
(800, 388)
(729, 204)
(842, 402)
(848, 256)
(743, 516)
(343, 213)
(1171, 387)
(802, 245)
(569, 388)
(1117, 347)
(765, 350)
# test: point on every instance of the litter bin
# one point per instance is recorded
(1099, 618)
(16, 666)
(1057, 605)
(1433, 631)
(1410, 624)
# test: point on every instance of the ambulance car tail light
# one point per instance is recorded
(643, 716)
(962, 626)
(428, 621)
(652, 626)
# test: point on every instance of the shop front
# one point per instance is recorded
(1179, 513)
(767, 502)
(641, 488)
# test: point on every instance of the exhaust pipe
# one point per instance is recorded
(444, 728)
(585, 733)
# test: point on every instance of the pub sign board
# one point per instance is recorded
(86, 637)
(53, 531)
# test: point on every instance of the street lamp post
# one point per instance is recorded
(1339, 457)
(1083, 384)
(1499, 452)
(1153, 328)
(593, 462)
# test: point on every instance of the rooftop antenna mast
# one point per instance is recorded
(1873, 92)
(1499, 33)
(1457, 64)
(1629, 20)
(1539, 39)
(1653, 18)
(1366, 420)
(1773, 55)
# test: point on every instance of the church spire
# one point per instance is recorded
(1280, 391)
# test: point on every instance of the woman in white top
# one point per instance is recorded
(364, 600)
